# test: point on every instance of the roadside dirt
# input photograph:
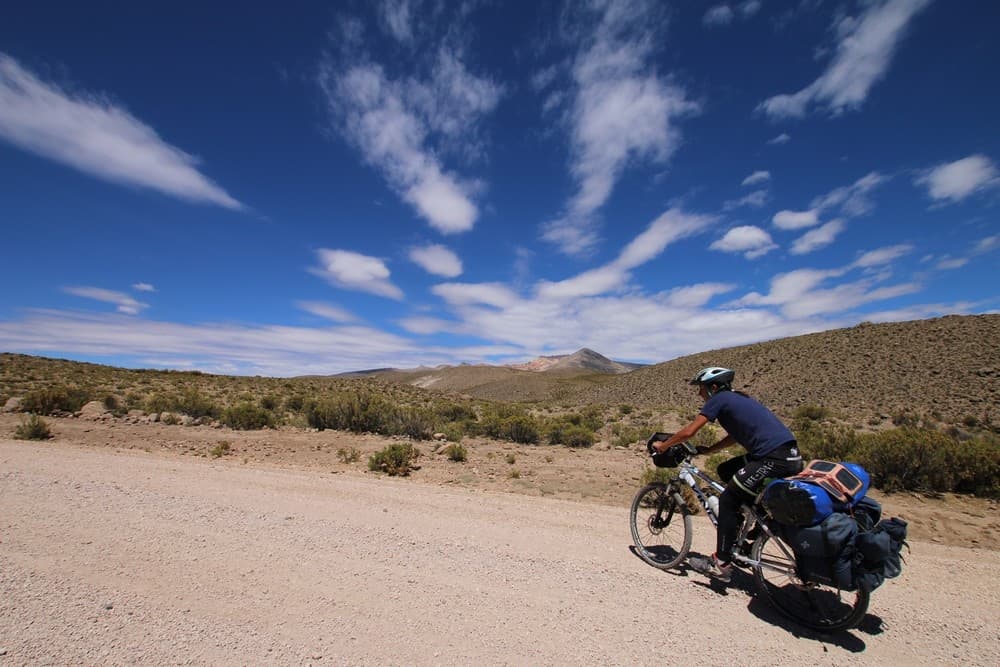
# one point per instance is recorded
(278, 554)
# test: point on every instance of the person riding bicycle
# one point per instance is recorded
(772, 452)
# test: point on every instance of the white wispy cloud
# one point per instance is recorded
(397, 16)
(437, 259)
(755, 199)
(354, 271)
(806, 293)
(955, 181)
(796, 219)
(125, 303)
(863, 53)
(881, 256)
(855, 199)
(751, 241)
(143, 287)
(817, 238)
(988, 244)
(91, 134)
(723, 14)
(948, 263)
(757, 177)
(673, 225)
(718, 15)
(782, 138)
(622, 110)
(327, 311)
(402, 127)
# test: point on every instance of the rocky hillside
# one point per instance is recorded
(947, 367)
(584, 359)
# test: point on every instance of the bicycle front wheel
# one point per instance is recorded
(661, 526)
(812, 605)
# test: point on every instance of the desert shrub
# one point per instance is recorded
(247, 417)
(348, 455)
(454, 412)
(511, 458)
(624, 409)
(295, 403)
(811, 413)
(160, 402)
(221, 449)
(905, 418)
(514, 473)
(270, 402)
(578, 436)
(367, 412)
(416, 423)
(521, 429)
(625, 436)
(825, 441)
(455, 431)
(457, 453)
(926, 460)
(396, 459)
(193, 403)
(32, 427)
(48, 400)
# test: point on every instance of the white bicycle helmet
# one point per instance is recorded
(714, 375)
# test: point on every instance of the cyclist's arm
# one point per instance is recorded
(685, 433)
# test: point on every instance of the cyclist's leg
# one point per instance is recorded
(730, 519)
(728, 468)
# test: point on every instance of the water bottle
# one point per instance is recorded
(713, 504)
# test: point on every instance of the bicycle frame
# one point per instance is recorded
(690, 474)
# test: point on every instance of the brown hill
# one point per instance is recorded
(583, 359)
(948, 368)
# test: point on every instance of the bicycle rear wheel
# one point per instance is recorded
(812, 605)
(661, 526)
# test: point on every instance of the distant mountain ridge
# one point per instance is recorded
(583, 359)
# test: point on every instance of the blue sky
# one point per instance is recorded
(310, 187)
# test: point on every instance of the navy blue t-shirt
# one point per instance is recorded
(750, 423)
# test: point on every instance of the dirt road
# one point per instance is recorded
(138, 558)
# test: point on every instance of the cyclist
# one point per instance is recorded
(771, 452)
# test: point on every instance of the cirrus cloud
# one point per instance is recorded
(94, 136)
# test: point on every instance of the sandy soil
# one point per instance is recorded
(128, 544)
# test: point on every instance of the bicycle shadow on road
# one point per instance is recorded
(762, 609)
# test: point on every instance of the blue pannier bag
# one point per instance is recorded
(796, 502)
(823, 487)
(825, 553)
(878, 553)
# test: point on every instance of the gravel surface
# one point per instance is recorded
(111, 557)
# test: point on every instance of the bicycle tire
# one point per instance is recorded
(661, 526)
(812, 605)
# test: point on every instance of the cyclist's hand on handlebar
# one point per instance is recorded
(654, 440)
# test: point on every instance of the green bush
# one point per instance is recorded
(367, 412)
(193, 403)
(811, 413)
(397, 459)
(247, 417)
(578, 436)
(522, 429)
(48, 400)
(221, 449)
(348, 455)
(457, 453)
(32, 427)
